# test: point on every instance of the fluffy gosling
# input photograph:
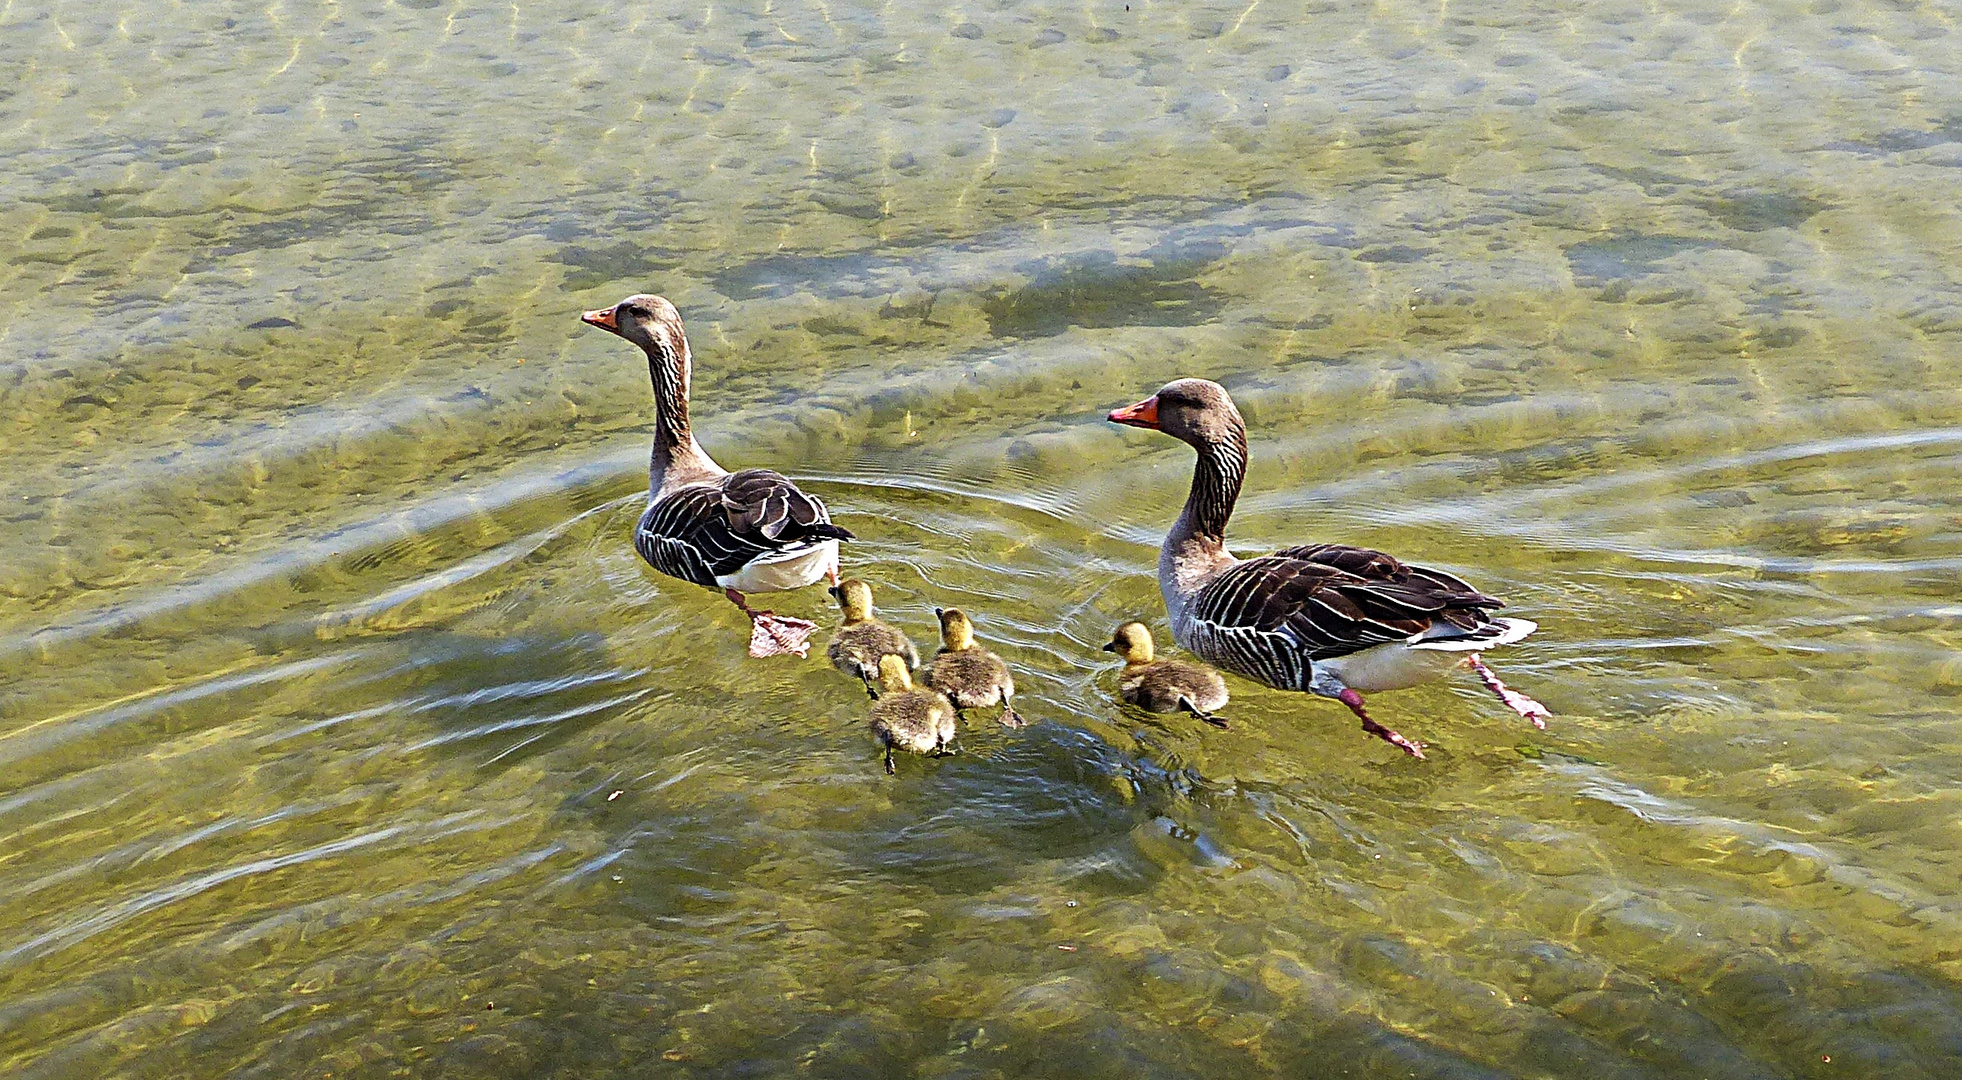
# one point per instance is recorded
(920, 721)
(970, 676)
(1164, 686)
(862, 640)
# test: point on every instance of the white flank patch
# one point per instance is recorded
(1402, 664)
(783, 571)
(1390, 667)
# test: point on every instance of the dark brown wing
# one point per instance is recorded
(1390, 589)
(704, 531)
(1269, 618)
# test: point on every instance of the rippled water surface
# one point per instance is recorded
(342, 734)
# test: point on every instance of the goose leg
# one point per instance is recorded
(891, 769)
(771, 634)
(1186, 704)
(1355, 703)
(1009, 717)
(1513, 699)
(871, 689)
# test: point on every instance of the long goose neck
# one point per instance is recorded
(670, 365)
(1195, 549)
(1216, 477)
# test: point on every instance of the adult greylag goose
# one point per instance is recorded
(921, 721)
(1326, 619)
(742, 532)
(864, 639)
(1165, 686)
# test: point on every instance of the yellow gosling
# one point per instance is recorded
(970, 676)
(919, 721)
(1165, 686)
(863, 640)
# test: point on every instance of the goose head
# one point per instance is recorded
(650, 322)
(956, 630)
(1195, 411)
(854, 599)
(893, 677)
(1132, 642)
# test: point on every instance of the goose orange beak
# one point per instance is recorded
(602, 318)
(1144, 414)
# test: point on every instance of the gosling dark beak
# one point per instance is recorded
(1112, 647)
(602, 318)
(1144, 414)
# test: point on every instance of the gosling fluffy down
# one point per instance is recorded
(863, 640)
(1165, 686)
(970, 676)
(918, 721)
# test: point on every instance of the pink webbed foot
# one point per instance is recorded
(771, 634)
(1355, 703)
(1513, 699)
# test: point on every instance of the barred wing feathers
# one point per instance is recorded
(1270, 617)
(704, 531)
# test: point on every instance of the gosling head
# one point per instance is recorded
(854, 599)
(893, 678)
(1132, 642)
(956, 632)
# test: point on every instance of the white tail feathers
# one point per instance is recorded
(1511, 630)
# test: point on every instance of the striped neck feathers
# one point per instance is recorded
(1216, 478)
(670, 365)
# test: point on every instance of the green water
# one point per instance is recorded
(342, 734)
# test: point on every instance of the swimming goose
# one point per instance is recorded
(921, 721)
(1327, 619)
(1165, 686)
(742, 532)
(970, 676)
(863, 640)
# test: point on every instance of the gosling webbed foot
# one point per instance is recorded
(1188, 706)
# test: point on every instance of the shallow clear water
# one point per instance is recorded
(342, 734)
